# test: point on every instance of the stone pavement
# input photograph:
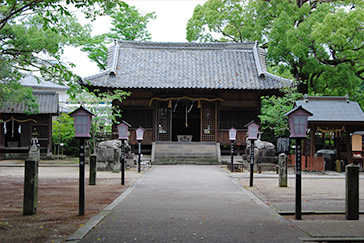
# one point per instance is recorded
(189, 203)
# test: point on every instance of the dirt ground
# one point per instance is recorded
(57, 209)
(57, 212)
(323, 197)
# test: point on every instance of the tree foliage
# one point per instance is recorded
(127, 24)
(320, 43)
(48, 9)
(63, 131)
(13, 93)
(100, 104)
(106, 114)
(33, 35)
(273, 107)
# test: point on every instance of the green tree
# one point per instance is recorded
(48, 9)
(100, 104)
(26, 47)
(63, 131)
(128, 24)
(12, 93)
(319, 42)
(273, 108)
(33, 35)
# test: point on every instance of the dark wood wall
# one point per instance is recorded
(237, 109)
(43, 127)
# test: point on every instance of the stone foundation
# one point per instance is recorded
(264, 153)
(108, 156)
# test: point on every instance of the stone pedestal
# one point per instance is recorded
(108, 159)
(34, 152)
(264, 153)
(108, 155)
(282, 162)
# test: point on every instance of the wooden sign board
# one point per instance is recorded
(357, 142)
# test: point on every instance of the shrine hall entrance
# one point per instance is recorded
(187, 121)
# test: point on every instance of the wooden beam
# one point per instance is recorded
(348, 144)
(313, 141)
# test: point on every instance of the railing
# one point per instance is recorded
(315, 163)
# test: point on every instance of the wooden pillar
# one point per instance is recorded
(348, 144)
(304, 153)
(49, 142)
(313, 141)
(323, 139)
(93, 169)
(338, 145)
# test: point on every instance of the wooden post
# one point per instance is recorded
(352, 192)
(298, 206)
(313, 141)
(93, 163)
(122, 162)
(30, 187)
(81, 201)
(348, 143)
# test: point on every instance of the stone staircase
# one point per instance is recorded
(185, 153)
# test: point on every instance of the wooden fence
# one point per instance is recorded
(315, 163)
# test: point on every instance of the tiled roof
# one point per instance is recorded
(48, 104)
(332, 109)
(39, 83)
(152, 65)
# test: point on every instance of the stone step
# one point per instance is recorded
(173, 162)
(169, 160)
(185, 153)
(185, 148)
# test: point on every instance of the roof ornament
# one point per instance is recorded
(115, 57)
(257, 59)
(347, 98)
(306, 98)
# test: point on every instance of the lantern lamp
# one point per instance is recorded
(253, 130)
(123, 128)
(82, 120)
(232, 134)
(298, 119)
(139, 134)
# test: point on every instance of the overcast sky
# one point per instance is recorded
(169, 26)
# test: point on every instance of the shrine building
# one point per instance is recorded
(187, 94)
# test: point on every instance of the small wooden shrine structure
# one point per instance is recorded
(334, 120)
(18, 128)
